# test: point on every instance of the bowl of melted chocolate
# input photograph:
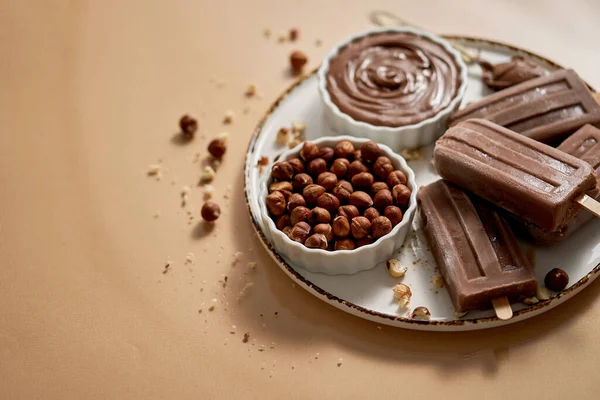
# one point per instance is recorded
(393, 85)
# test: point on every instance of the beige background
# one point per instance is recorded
(90, 95)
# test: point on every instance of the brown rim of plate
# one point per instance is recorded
(459, 322)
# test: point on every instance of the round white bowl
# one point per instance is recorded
(341, 261)
(398, 138)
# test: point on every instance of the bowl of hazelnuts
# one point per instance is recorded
(338, 205)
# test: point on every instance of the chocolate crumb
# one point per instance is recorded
(246, 337)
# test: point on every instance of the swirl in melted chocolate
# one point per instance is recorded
(392, 79)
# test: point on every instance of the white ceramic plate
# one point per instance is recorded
(369, 294)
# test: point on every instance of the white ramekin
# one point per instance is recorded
(409, 136)
(341, 261)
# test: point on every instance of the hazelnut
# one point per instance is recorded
(295, 200)
(319, 215)
(276, 203)
(396, 177)
(299, 214)
(309, 151)
(356, 167)
(401, 194)
(360, 199)
(326, 153)
(420, 313)
(282, 221)
(382, 199)
(344, 244)
(300, 232)
(316, 241)
(364, 241)
(360, 227)
(312, 193)
(340, 167)
(324, 229)
(348, 211)
(357, 155)
(402, 293)
(283, 135)
(371, 213)
(370, 151)
(556, 280)
(287, 230)
(210, 211)
(363, 180)
(282, 171)
(297, 61)
(342, 191)
(542, 293)
(382, 168)
(188, 126)
(381, 226)
(329, 202)
(341, 226)
(217, 147)
(287, 194)
(297, 165)
(344, 149)
(293, 34)
(394, 214)
(283, 185)
(317, 166)
(378, 186)
(301, 181)
(394, 268)
(328, 180)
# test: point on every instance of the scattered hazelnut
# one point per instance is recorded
(228, 117)
(276, 203)
(297, 164)
(188, 126)
(402, 293)
(317, 166)
(280, 186)
(360, 199)
(382, 199)
(312, 193)
(210, 211)
(370, 151)
(295, 200)
(356, 167)
(556, 280)
(360, 227)
(316, 241)
(343, 190)
(371, 213)
(530, 300)
(208, 175)
(282, 171)
(282, 221)
(364, 241)
(348, 211)
(217, 147)
(298, 128)
(329, 202)
(362, 180)
(396, 177)
(344, 244)
(327, 179)
(401, 194)
(319, 215)
(293, 34)
(394, 214)
(283, 135)
(542, 293)
(379, 186)
(297, 61)
(300, 232)
(395, 269)
(340, 167)
(420, 313)
(344, 149)
(309, 151)
(299, 214)
(301, 181)
(327, 154)
(381, 226)
(341, 226)
(382, 167)
(324, 229)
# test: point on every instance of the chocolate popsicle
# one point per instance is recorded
(583, 144)
(547, 109)
(536, 182)
(474, 247)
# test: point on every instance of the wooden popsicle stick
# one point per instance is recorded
(502, 308)
(590, 204)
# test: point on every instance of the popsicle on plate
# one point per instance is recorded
(536, 182)
(474, 247)
(583, 144)
(548, 108)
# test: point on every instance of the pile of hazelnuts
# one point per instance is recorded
(337, 198)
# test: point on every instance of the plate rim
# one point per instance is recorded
(376, 316)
